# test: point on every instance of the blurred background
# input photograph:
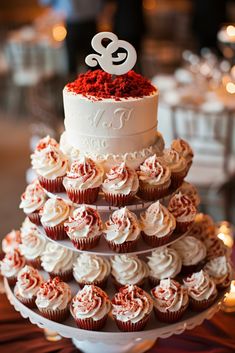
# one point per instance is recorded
(186, 47)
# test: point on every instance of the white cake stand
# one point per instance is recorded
(112, 340)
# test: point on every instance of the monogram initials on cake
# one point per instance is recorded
(120, 117)
(108, 58)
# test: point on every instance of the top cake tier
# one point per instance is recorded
(106, 114)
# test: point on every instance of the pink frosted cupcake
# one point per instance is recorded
(54, 213)
(83, 181)
(32, 201)
(28, 284)
(184, 150)
(154, 178)
(122, 230)
(132, 307)
(203, 227)
(11, 264)
(170, 300)
(201, 290)
(11, 241)
(51, 166)
(184, 212)
(178, 167)
(84, 227)
(157, 225)
(191, 192)
(91, 269)
(121, 185)
(220, 270)
(53, 299)
(90, 308)
(58, 261)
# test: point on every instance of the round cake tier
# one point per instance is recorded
(107, 125)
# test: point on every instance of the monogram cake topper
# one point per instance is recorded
(105, 58)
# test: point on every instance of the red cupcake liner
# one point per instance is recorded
(102, 284)
(183, 227)
(54, 185)
(200, 305)
(127, 246)
(170, 316)
(11, 280)
(35, 218)
(55, 315)
(129, 326)
(29, 302)
(153, 281)
(119, 200)
(186, 270)
(56, 233)
(177, 179)
(65, 276)
(86, 243)
(154, 241)
(35, 263)
(151, 193)
(88, 196)
(90, 324)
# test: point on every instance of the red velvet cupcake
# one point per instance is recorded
(11, 264)
(11, 241)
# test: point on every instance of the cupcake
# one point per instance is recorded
(131, 308)
(121, 185)
(122, 230)
(45, 142)
(170, 300)
(191, 192)
(32, 247)
(27, 227)
(28, 284)
(215, 247)
(178, 167)
(32, 201)
(11, 264)
(53, 299)
(163, 263)
(58, 261)
(184, 212)
(91, 269)
(220, 270)
(84, 227)
(83, 180)
(90, 308)
(157, 225)
(184, 150)
(154, 178)
(51, 166)
(203, 227)
(127, 269)
(192, 252)
(54, 213)
(201, 290)
(11, 241)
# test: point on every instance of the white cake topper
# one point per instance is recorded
(105, 58)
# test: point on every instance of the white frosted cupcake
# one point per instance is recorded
(178, 166)
(170, 300)
(11, 264)
(184, 150)
(157, 225)
(11, 241)
(122, 230)
(54, 213)
(220, 270)
(120, 185)
(163, 263)
(192, 252)
(84, 227)
(32, 201)
(127, 269)
(58, 261)
(91, 269)
(27, 227)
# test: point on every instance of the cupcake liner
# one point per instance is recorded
(11, 280)
(118, 285)
(55, 315)
(153, 281)
(186, 270)
(182, 227)
(35, 263)
(65, 276)
(177, 179)
(35, 217)
(129, 326)
(56, 233)
(154, 241)
(170, 316)
(88, 196)
(29, 302)
(102, 283)
(90, 324)
(119, 200)
(153, 193)
(54, 185)
(200, 305)
(85, 243)
(127, 246)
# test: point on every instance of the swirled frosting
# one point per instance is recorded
(169, 295)
(190, 249)
(200, 286)
(90, 268)
(45, 142)
(11, 241)
(182, 208)
(132, 304)
(164, 263)
(28, 282)
(219, 269)
(203, 227)
(33, 245)
(157, 220)
(122, 226)
(27, 227)
(121, 180)
(49, 162)
(83, 174)
(183, 148)
(215, 247)
(53, 295)
(174, 161)
(55, 211)
(90, 303)
(154, 171)
(84, 223)
(33, 198)
(12, 263)
(191, 192)
(56, 259)
(128, 269)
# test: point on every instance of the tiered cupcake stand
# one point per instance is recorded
(111, 340)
